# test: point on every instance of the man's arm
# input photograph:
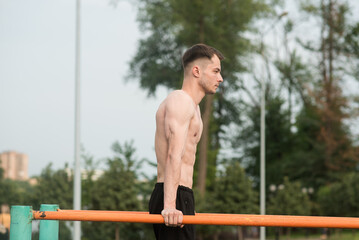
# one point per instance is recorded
(179, 112)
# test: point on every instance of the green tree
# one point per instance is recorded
(351, 43)
(340, 198)
(324, 147)
(176, 25)
(289, 198)
(15, 192)
(1, 171)
(330, 103)
(304, 160)
(88, 180)
(307, 158)
(234, 193)
(54, 187)
(279, 140)
(116, 190)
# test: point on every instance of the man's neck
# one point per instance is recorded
(193, 90)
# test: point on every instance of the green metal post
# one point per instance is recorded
(49, 229)
(21, 223)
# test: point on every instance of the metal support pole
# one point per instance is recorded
(263, 127)
(21, 223)
(262, 160)
(77, 171)
(49, 229)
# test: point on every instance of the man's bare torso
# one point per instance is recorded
(193, 135)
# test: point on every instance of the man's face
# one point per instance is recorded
(211, 75)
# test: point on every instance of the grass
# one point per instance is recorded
(347, 235)
(335, 235)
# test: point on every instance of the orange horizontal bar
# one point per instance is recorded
(201, 218)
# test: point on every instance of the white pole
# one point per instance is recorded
(77, 170)
(262, 148)
(262, 160)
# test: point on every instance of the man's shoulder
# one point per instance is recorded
(181, 97)
(180, 102)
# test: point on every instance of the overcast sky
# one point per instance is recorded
(37, 49)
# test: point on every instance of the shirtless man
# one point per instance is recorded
(178, 131)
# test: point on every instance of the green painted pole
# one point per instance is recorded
(21, 223)
(49, 229)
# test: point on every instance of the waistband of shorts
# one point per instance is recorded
(180, 187)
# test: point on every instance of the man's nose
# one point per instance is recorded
(220, 79)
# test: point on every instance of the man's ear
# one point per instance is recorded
(196, 71)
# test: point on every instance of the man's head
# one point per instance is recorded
(202, 62)
(199, 51)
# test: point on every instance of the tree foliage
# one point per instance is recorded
(289, 198)
(53, 187)
(172, 26)
(324, 148)
(116, 190)
(340, 198)
(14, 192)
(307, 138)
(279, 140)
(232, 192)
(240, 197)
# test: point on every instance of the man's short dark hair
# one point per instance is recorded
(199, 51)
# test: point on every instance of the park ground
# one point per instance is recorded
(339, 235)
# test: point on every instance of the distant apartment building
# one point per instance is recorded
(15, 165)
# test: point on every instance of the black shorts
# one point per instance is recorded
(184, 203)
